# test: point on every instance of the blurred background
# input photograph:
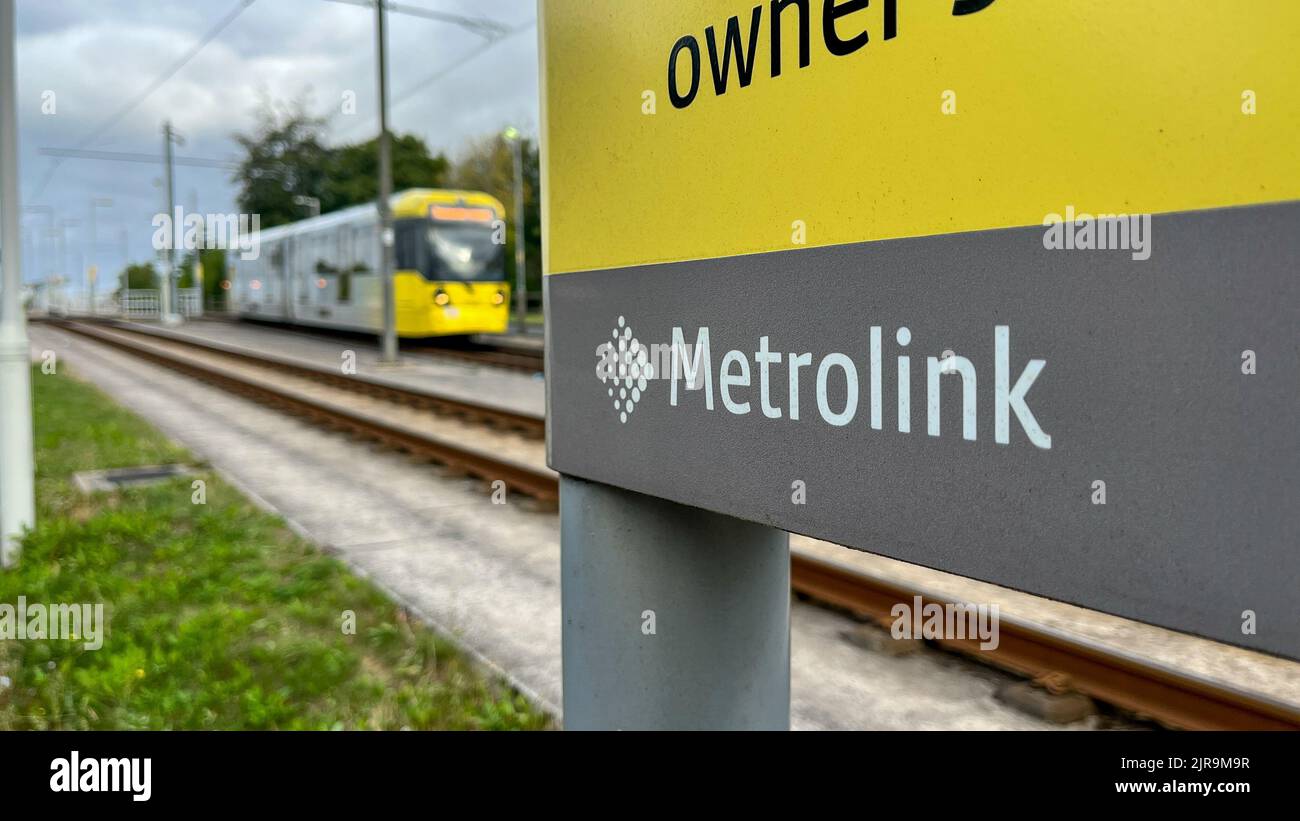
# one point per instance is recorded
(274, 105)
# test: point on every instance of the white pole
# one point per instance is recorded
(17, 472)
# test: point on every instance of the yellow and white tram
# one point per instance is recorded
(448, 268)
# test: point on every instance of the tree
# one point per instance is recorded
(213, 261)
(214, 271)
(138, 276)
(285, 158)
(487, 164)
(352, 171)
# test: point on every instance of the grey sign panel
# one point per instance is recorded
(1151, 462)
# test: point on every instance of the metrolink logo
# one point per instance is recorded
(628, 368)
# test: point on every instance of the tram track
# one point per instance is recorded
(479, 412)
(482, 353)
(518, 474)
(495, 357)
(1056, 661)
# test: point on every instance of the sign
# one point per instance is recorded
(1010, 290)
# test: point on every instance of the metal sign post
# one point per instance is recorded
(663, 630)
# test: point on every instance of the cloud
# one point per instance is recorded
(96, 55)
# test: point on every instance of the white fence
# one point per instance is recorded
(145, 304)
(140, 304)
(189, 301)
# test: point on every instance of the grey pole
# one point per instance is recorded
(65, 275)
(17, 466)
(92, 272)
(165, 292)
(389, 355)
(95, 202)
(673, 617)
(521, 283)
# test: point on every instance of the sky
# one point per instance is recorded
(82, 61)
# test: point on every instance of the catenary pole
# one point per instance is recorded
(389, 354)
(165, 293)
(515, 138)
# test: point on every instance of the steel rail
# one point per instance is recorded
(496, 357)
(539, 484)
(1058, 662)
(486, 353)
(527, 424)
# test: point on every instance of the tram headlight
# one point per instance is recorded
(440, 297)
(499, 297)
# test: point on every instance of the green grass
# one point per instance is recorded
(218, 616)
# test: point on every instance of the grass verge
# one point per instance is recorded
(218, 617)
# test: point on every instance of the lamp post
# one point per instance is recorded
(515, 139)
(95, 202)
(65, 278)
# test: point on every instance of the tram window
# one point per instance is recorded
(276, 273)
(364, 250)
(277, 260)
(464, 251)
(345, 249)
(407, 246)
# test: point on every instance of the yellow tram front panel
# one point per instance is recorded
(441, 300)
(466, 307)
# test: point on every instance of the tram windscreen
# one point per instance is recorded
(449, 250)
(466, 250)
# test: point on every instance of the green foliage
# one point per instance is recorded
(213, 261)
(353, 171)
(138, 276)
(218, 617)
(487, 164)
(286, 157)
(214, 270)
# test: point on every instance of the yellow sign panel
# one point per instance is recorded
(821, 122)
